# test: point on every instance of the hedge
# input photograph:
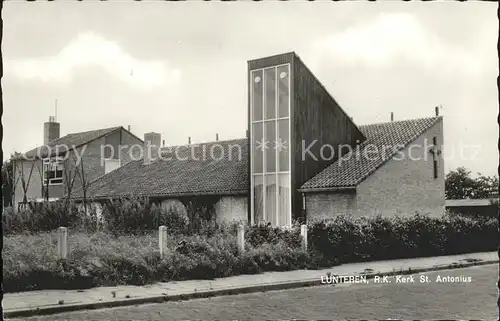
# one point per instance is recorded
(30, 261)
(349, 239)
(105, 259)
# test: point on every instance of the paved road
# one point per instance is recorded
(474, 300)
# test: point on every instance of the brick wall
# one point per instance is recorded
(93, 165)
(90, 158)
(405, 186)
(128, 152)
(322, 205)
(397, 187)
(95, 151)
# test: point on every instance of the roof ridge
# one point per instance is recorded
(93, 130)
(210, 142)
(98, 133)
(401, 121)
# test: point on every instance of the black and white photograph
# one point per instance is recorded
(250, 160)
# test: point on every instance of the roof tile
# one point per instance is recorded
(190, 174)
(211, 168)
(384, 137)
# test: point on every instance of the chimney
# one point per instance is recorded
(189, 140)
(128, 127)
(392, 116)
(151, 153)
(217, 137)
(51, 130)
(437, 111)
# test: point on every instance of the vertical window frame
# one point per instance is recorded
(277, 172)
(435, 157)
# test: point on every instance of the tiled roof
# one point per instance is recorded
(222, 170)
(195, 176)
(69, 141)
(350, 172)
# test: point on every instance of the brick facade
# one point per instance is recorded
(322, 205)
(93, 165)
(92, 154)
(398, 187)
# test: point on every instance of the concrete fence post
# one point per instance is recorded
(240, 239)
(303, 233)
(62, 242)
(162, 240)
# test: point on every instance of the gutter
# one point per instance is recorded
(328, 189)
(164, 196)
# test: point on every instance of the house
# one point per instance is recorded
(63, 164)
(303, 157)
(487, 207)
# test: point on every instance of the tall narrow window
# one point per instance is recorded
(435, 156)
(270, 150)
(258, 91)
(258, 199)
(270, 135)
(258, 149)
(270, 93)
(283, 91)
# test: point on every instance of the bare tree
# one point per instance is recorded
(9, 178)
(44, 183)
(25, 183)
(84, 182)
(70, 172)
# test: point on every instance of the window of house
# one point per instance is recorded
(435, 156)
(53, 171)
(270, 135)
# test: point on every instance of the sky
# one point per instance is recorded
(180, 68)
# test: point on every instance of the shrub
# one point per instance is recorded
(125, 216)
(171, 216)
(200, 213)
(259, 234)
(138, 215)
(352, 239)
(102, 259)
(275, 257)
(45, 216)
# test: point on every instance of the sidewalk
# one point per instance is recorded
(31, 303)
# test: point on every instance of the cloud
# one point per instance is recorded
(391, 36)
(90, 49)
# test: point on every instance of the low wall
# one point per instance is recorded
(484, 211)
